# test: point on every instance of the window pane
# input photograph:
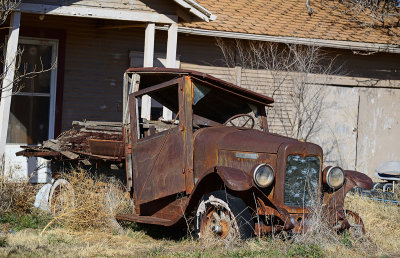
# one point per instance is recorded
(34, 59)
(29, 120)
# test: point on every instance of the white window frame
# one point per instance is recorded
(53, 80)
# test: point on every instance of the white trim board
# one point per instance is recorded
(196, 9)
(8, 81)
(360, 46)
(94, 12)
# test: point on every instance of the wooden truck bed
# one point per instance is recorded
(86, 140)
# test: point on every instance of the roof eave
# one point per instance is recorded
(196, 9)
(352, 45)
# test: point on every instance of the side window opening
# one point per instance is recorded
(212, 106)
(157, 124)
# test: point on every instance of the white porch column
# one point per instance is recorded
(171, 58)
(148, 62)
(7, 85)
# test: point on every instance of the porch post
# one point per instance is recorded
(148, 62)
(171, 58)
(7, 84)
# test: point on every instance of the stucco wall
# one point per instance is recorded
(379, 128)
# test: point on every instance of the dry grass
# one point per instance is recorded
(16, 195)
(90, 202)
(86, 227)
(382, 223)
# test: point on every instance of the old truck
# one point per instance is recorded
(215, 159)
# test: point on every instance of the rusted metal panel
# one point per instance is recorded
(235, 179)
(143, 219)
(245, 161)
(106, 147)
(293, 148)
(158, 166)
(333, 207)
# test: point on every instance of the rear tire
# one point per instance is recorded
(221, 215)
(61, 196)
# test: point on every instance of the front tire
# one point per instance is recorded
(221, 215)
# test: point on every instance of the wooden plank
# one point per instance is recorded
(56, 147)
(148, 62)
(104, 128)
(94, 123)
(37, 153)
(171, 58)
(95, 12)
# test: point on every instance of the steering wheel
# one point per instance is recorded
(249, 118)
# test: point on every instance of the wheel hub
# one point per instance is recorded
(218, 222)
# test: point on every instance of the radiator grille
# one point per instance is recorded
(302, 180)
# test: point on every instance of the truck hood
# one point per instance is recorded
(231, 138)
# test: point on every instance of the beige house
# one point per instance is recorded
(93, 42)
(89, 45)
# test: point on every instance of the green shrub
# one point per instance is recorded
(20, 221)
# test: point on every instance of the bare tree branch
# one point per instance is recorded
(293, 75)
(6, 7)
(380, 14)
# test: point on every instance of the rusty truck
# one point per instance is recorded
(214, 160)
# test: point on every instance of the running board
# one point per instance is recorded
(144, 219)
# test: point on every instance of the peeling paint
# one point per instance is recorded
(388, 124)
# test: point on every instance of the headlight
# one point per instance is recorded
(263, 175)
(334, 177)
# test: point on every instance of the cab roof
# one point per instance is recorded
(156, 75)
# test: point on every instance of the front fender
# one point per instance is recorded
(354, 178)
(334, 202)
(235, 179)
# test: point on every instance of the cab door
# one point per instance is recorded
(158, 146)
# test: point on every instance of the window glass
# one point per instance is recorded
(34, 58)
(29, 120)
(30, 104)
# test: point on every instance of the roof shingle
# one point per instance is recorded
(288, 19)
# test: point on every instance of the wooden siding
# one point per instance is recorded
(158, 6)
(94, 65)
(96, 59)
(265, 82)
